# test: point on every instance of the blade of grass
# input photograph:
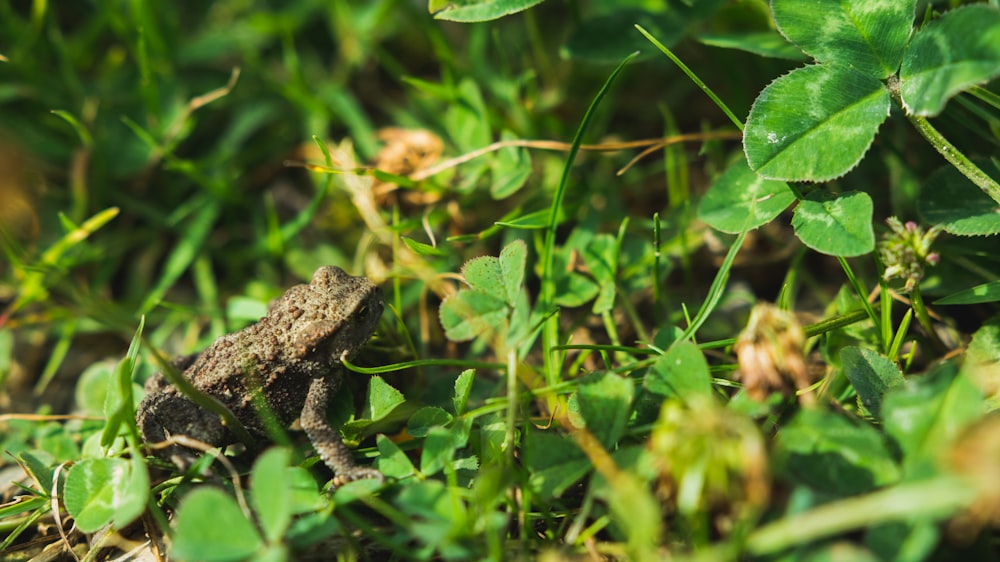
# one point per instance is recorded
(715, 291)
(863, 297)
(547, 297)
(33, 284)
(694, 77)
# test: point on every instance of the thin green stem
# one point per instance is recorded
(924, 318)
(657, 292)
(715, 291)
(956, 158)
(512, 405)
(945, 148)
(862, 296)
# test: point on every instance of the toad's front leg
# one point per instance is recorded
(325, 439)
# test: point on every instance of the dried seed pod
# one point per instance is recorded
(770, 354)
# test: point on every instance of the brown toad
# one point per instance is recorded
(292, 355)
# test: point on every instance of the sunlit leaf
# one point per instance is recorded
(741, 200)
(477, 10)
(814, 123)
(866, 35)
(948, 55)
(839, 225)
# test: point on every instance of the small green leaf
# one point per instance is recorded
(764, 43)
(814, 123)
(119, 403)
(904, 541)
(134, 495)
(513, 258)
(948, 55)
(572, 288)
(682, 372)
(831, 454)
(92, 387)
(305, 496)
(866, 35)
(271, 493)
(477, 10)
(511, 168)
(987, 292)
(392, 461)
(495, 301)
(440, 446)
(39, 471)
(426, 418)
(468, 314)
(951, 200)
(422, 249)
(605, 403)
(94, 490)
(601, 257)
(466, 119)
(741, 200)
(210, 527)
(534, 220)
(382, 399)
(484, 274)
(838, 225)
(463, 387)
(871, 374)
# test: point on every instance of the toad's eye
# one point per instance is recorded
(363, 311)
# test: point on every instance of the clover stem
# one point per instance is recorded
(924, 318)
(956, 158)
(945, 148)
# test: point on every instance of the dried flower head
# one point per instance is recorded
(407, 150)
(770, 354)
(906, 250)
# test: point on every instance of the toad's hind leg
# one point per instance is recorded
(325, 439)
(162, 415)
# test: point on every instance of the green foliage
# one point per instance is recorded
(681, 372)
(579, 386)
(948, 55)
(740, 200)
(839, 225)
(478, 10)
(868, 36)
(210, 526)
(949, 199)
(495, 305)
(871, 374)
(840, 103)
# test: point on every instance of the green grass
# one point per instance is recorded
(577, 357)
